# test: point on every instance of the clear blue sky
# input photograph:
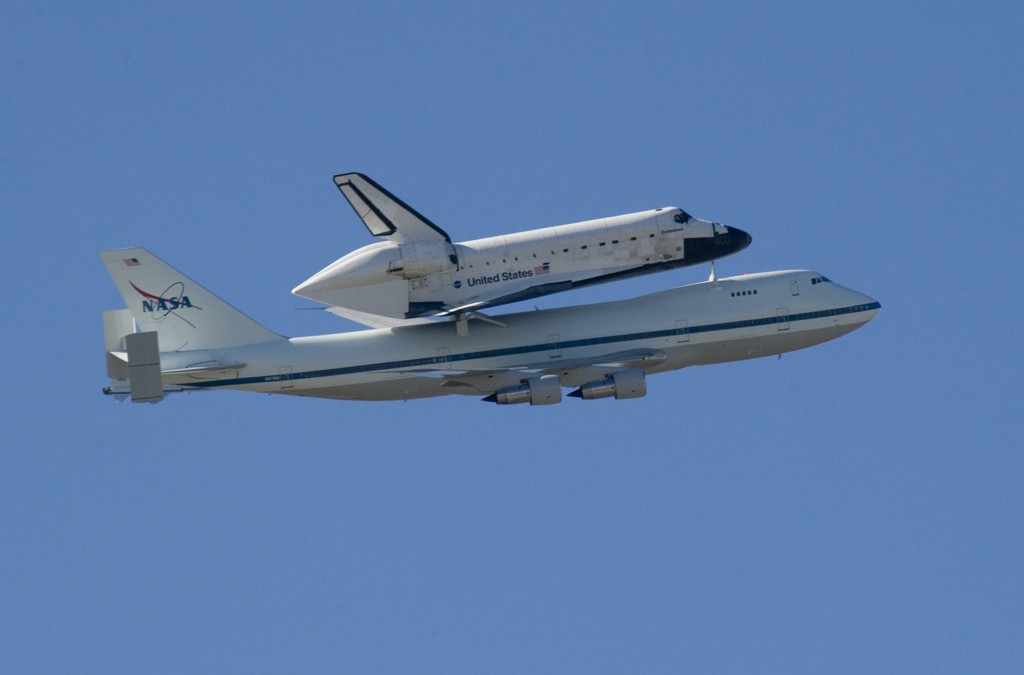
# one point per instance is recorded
(856, 507)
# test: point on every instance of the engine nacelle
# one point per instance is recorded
(538, 391)
(423, 258)
(623, 384)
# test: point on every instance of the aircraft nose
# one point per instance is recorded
(725, 241)
(866, 308)
(732, 240)
(871, 305)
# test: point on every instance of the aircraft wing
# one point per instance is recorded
(631, 358)
(570, 370)
(385, 215)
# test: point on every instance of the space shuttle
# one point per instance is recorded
(416, 271)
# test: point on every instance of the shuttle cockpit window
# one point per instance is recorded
(682, 217)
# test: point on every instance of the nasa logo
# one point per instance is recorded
(458, 284)
(166, 303)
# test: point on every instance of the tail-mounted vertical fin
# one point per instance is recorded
(384, 214)
(186, 315)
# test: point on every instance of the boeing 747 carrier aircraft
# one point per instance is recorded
(417, 271)
(177, 336)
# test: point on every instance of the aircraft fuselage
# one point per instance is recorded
(729, 319)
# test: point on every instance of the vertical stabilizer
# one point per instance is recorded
(384, 214)
(185, 315)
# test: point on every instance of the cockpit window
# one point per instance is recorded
(682, 217)
(820, 280)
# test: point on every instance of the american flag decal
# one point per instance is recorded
(131, 262)
(542, 269)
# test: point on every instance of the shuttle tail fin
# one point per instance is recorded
(185, 315)
(384, 214)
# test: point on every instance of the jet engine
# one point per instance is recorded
(538, 391)
(628, 383)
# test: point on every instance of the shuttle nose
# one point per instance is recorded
(733, 241)
(725, 241)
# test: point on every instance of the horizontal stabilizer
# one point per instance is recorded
(206, 367)
(117, 323)
(384, 214)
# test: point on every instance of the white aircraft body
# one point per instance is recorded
(417, 271)
(177, 336)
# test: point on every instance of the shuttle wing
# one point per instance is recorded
(373, 320)
(385, 215)
(507, 295)
(539, 286)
